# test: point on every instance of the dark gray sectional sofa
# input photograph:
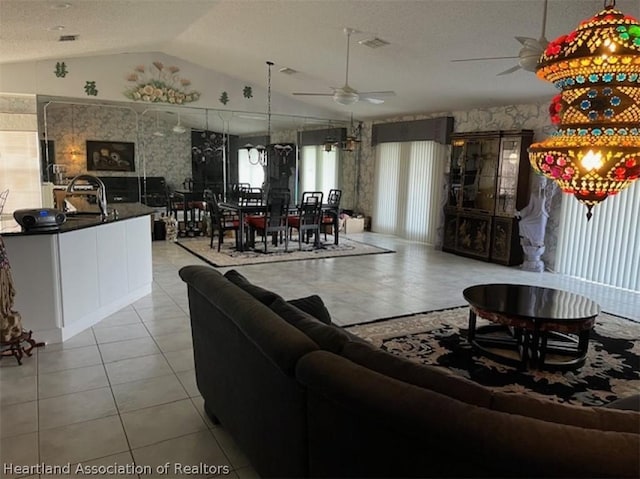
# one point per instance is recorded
(304, 398)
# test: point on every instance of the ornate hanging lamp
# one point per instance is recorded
(595, 152)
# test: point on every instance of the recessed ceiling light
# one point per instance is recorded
(56, 28)
(61, 6)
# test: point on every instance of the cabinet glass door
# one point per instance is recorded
(508, 176)
(486, 165)
(455, 172)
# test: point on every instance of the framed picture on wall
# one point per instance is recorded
(110, 156)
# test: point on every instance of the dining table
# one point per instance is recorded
(242, 210)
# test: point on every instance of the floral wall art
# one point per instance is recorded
(160, 84)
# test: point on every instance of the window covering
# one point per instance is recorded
(319, 169)
(20, 170)
(431, 129)
(605, 249)
(408, 189)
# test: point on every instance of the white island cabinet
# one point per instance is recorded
(67, 281)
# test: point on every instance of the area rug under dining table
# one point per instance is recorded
(228, 256)
(611, 371)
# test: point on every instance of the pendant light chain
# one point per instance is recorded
(270, 64)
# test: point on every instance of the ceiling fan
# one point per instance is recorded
(346, 95)
(529, 54)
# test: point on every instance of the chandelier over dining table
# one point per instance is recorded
(595, 152)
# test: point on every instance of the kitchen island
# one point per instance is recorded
(69, 279)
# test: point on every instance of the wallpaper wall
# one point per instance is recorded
(18, 112)
(71, 125)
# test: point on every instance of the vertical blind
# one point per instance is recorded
(605, 249)
(407, 189)
(319, 169)
(20, 170)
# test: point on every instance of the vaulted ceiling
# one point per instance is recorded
(236, 37)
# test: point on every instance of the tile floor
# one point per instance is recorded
(125, 390)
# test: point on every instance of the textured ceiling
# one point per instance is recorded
(237, 37)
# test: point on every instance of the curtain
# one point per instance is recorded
(319, 169)
(20, 170)
(408, 189)
(605, 249)
(248, 172)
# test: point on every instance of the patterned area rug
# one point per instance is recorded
(612, 368)
(228, 256)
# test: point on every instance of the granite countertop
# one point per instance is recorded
(9, 227)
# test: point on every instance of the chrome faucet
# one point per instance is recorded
(101, 191)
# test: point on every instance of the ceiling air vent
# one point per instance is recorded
(374, 42)
(68, 38)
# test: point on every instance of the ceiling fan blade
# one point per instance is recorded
(312, 94)
(484, 58)
(527, 40)
(510, 70)
(374, 101)
(375, 97)
(377, 94)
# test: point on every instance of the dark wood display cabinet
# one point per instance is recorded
(488, 182)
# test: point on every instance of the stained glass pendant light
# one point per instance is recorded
(595, 152)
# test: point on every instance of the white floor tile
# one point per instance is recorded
(18, 389)
(130, 348)
(17, 419)
(199, 451)
(148, 392)
(76, 407)
(71, 380)
(20, 450)
(134, 369)
(158, 423)
(50, 361)
(120, 333)
(83, 441)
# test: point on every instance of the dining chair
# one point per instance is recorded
(235, 190)
(251, 196)
(274, 221)
(221, 220)
(308, 219)
(331, 214)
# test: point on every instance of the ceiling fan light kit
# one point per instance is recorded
(595, 152)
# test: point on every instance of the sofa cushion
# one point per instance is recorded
(581, 416)
(314, 306)
(263, 295)
(328, 337)
(629, 403)
(430, 377)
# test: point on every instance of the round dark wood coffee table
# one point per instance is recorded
(533, 321)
